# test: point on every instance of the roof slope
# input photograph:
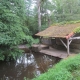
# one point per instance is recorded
(60, 31)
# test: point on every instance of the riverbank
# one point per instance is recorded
(29, 65)
(67, 69)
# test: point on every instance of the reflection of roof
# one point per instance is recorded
(60, 31)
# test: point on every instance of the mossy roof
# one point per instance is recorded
(59, 31)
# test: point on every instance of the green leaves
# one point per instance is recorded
(12, 29)
(66, 10)
(77, 30)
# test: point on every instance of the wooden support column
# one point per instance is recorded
(68, 50)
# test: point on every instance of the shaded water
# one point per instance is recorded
(29, 65)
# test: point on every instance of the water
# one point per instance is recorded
(29, 65)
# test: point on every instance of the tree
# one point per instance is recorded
(46, 9)
(12, 28)
(39, 14)
(66, 10)
(31, 16)
(43, 9)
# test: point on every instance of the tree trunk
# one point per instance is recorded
(39, 15)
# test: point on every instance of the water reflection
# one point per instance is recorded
(28, 65)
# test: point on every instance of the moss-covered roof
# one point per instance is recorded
(59, 31)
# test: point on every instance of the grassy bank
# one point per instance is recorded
(68, 69)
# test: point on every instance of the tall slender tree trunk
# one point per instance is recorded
(39, 15)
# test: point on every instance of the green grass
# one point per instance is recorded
(68, 69)
(77, 30)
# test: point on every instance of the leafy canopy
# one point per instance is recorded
(12, 28)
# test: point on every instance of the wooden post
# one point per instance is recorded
(68, 46)
(39, 15)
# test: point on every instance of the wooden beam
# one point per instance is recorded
(63, 43)
(74, 38)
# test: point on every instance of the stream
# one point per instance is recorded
(29, 65)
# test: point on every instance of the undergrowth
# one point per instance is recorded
(67, 69)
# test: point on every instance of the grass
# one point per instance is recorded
(68, 69)
(77, 30)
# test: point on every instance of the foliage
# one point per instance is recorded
(66, 10)
(12, 27)
(43, 27)
(26, 78)
(10, 54)
(66, 22)
(63, 70)
(32, 41)
(77, 30)
(31, 16)
(76, 74)
(51, 12)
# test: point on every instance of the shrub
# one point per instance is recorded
(12, 31)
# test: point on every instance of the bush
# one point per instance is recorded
(12, 28)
